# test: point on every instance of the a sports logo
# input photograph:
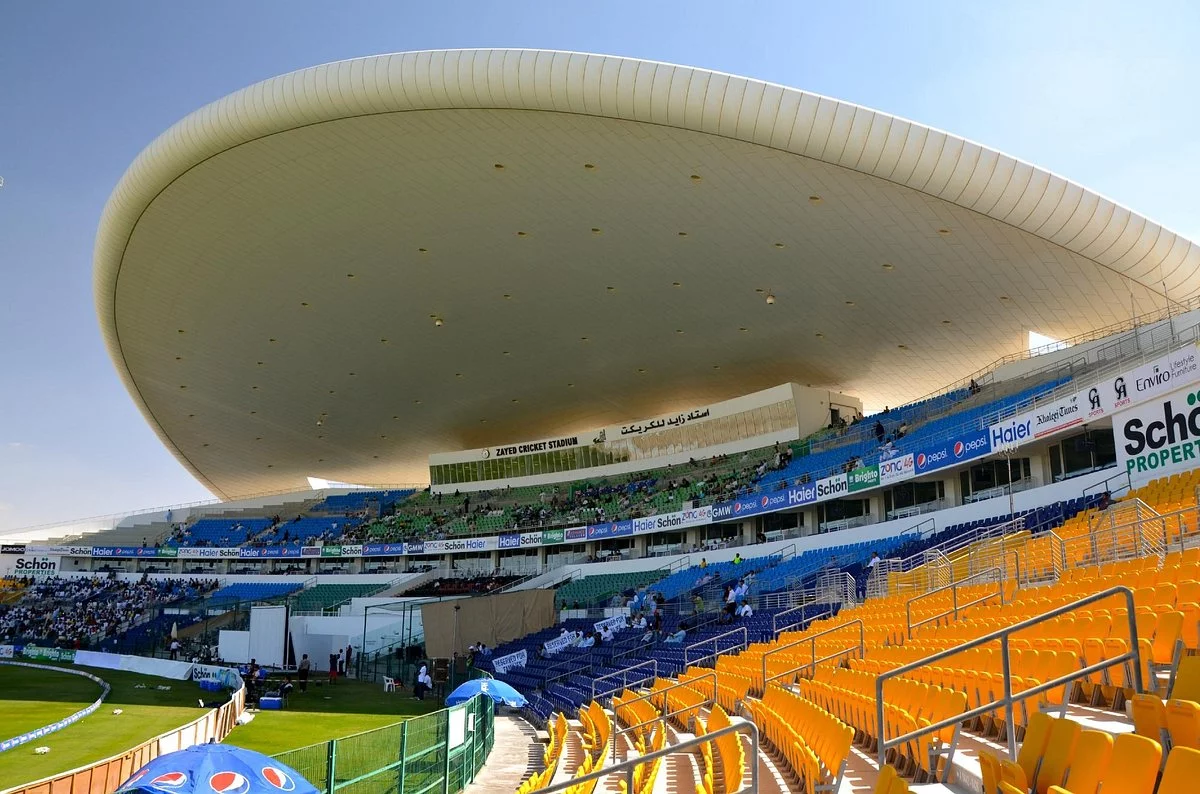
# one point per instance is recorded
(278, 778)
(170, 781)
(229, 783)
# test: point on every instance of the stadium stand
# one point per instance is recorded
(252, 591)
(326, 596)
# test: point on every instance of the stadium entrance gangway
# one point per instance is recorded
(1008, 700)
(709, 701)
(814, 661)
(992, 575)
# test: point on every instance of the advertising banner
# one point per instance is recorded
(693, 517)
(48, 654)
(862, 478)
(37, 567)
(616, 529)
(6, 651)
(503, 664)
(509, 541)
(414, 547)
(1161, 435)
(331, 551)
(895, 469)
(1165, 374)
(575, 533)
(12, 548)
(552, 536)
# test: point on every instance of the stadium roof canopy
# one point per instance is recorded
(597, 234)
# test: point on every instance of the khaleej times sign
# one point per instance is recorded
(1161, 435)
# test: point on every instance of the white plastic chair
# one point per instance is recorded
(389, 684)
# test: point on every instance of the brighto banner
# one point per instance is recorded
(1162, 435)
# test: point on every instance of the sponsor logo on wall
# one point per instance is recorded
(862, 478)
(35, 567)
(1162, 435)
(896, 469)
(12, 548)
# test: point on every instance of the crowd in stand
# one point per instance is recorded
(474, 585)
(80, 612)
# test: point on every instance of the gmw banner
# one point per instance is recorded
(1161, 435)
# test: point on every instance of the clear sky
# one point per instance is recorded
(1103, 93)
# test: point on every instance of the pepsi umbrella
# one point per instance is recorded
(216, 769)
(496, 690)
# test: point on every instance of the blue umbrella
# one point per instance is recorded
(216, 769)
(496, 690)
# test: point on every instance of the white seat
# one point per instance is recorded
(389, 684)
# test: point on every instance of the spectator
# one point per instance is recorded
(302, 670)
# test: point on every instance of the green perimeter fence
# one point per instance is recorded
(439, 752)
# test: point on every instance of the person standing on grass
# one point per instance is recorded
(332, 667)
(304, 667)
(349, 656)
(341, 662)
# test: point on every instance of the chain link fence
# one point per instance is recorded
(439, 752)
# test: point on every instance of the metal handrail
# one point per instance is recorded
(739, 726)
(813, 664)
(775, 630)
(862, 644)
(740, 629)
(651, 662)
(953, 588)
(1007, 701)
(617, 731)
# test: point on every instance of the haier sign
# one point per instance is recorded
(1011, 434)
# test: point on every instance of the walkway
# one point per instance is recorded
(516, 755)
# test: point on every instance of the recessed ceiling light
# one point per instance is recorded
(252, 413)
(583, 339)
(260, 363)
(438, 322)
(679, 330)
(849, 303)
(191, 416)
(272, 340)
(349, 275)
(595, 230)
(395, 417)
(258, 438)
(611, 288)
(182, 331)
(522, 234)
(683, 234)
(1004, 297)
(498, 166)
(506, 353)
(383, 436)
(352, 374)
(179, 358)
(820, 335)
(383, 340)
(696, 177)
(320, 460)
(373, 456)
(458, 374)
(589, 166)
(483, 421)
(422, 250)
(254, 388)
(946, 322)
(902, 347)
(815, 199)
(641, 370)
(508, 296)
(944, 232)
(331, 391)
(304, 304)
(676, 284)
(204, 445)
(888, 266)
(779, 245)
(759, 290)
(743, 328)
(716, 366)
(570, 385)
(516, 400)
(183, 387)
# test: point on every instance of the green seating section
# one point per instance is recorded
(599, 587)
(323, 596)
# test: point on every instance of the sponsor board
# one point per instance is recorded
(1011, 433)
(509, 541)
(552, 536)
(1166, 374)
(505, 663)
(7, 651)
(679, 520)
(414, 547)
(895, 469)
(12, 548)
(862, 478)
(1161, 435)
(575, 533)
(331, 551)
(616, 529)
(37, 567)
(48, 654)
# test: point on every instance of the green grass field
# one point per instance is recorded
(327, 712)
(32, 698)
(40, 697)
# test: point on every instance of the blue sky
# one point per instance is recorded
(1103, 93)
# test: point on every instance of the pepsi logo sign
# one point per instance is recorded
(278, 778)
(921, 460)
(171, 781)
(229, 783)
(958, 449)
(766, 500)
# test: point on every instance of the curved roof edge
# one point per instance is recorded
(840, 133)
